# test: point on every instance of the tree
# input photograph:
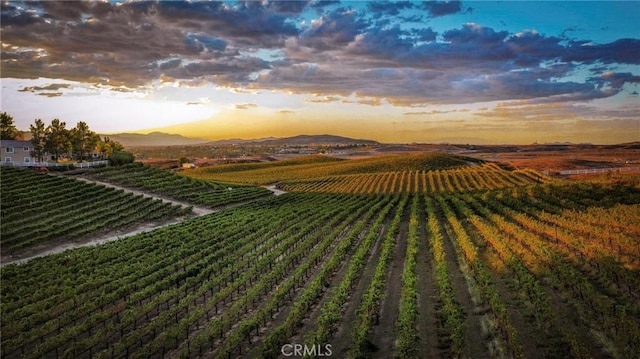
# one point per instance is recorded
(83, 140)
(38, 139)
(57, 138)
(8, 128)
(109, 147)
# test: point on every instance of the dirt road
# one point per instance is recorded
(276, 191)
(46, 249)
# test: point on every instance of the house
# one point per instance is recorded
(16, 153)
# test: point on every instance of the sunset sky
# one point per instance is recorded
(428, 71)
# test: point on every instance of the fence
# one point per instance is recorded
(55, 164)
(593, 171)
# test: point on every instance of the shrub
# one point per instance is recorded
(121, 158)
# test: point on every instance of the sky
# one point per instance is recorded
(394, 71)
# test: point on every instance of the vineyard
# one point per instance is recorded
(401, 262)
(171, 185)
(488, 176)
(67, 209)
(312, 167)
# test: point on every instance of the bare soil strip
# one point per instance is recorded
(200, 211)
(567, 319)
(427, 297)
(341, 343)
(384, 334)
(526, 331)
(276, 191)
(475, 344)
(46, 249)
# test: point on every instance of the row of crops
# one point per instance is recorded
(317, 166)
(165, 183)
(530, 267)
(38, 208)
(464, 179)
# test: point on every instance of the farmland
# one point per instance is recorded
(68, 209)
(418, 256)
(154, 180)
(308, 167)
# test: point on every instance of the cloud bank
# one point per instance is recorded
(381, 50)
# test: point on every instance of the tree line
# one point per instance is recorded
(57, 141)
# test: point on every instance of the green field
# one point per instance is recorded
(153, 180)
(433, 256)
(40, 208)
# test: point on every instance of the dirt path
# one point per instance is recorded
(341, 342)
(384, 334)
(46, 249)
(199, 211)
(276, 191)
(427, 296)
(476, 347)
(43, 250)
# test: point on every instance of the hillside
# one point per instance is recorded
(153, 139)
(506, 260)
(309, 167)
(300, 140)
(42, 209)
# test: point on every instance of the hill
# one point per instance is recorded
(300, 140)
(317, 166)
(153, 139)
(318, 140)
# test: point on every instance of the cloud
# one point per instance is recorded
(475, 34)
(385, 43)
(201, 101)
(558, 111)
(388, 7)
(50, 87)
(50, 94)
(323, 99)
(245, 106)
(442, 8)
(134, 43)
(288, 7)
(11, 15)
(334, 29)
(370, 101)
(200, 42)
(432, 112)
(343, 51)
(623, 51)
(617, 79)
(425, 34)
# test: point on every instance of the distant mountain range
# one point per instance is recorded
(165, 139)
(300, 140)
(154, 139)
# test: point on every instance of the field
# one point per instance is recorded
(67, 209)
(418, 256)
(318, 166)
(165, 183)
